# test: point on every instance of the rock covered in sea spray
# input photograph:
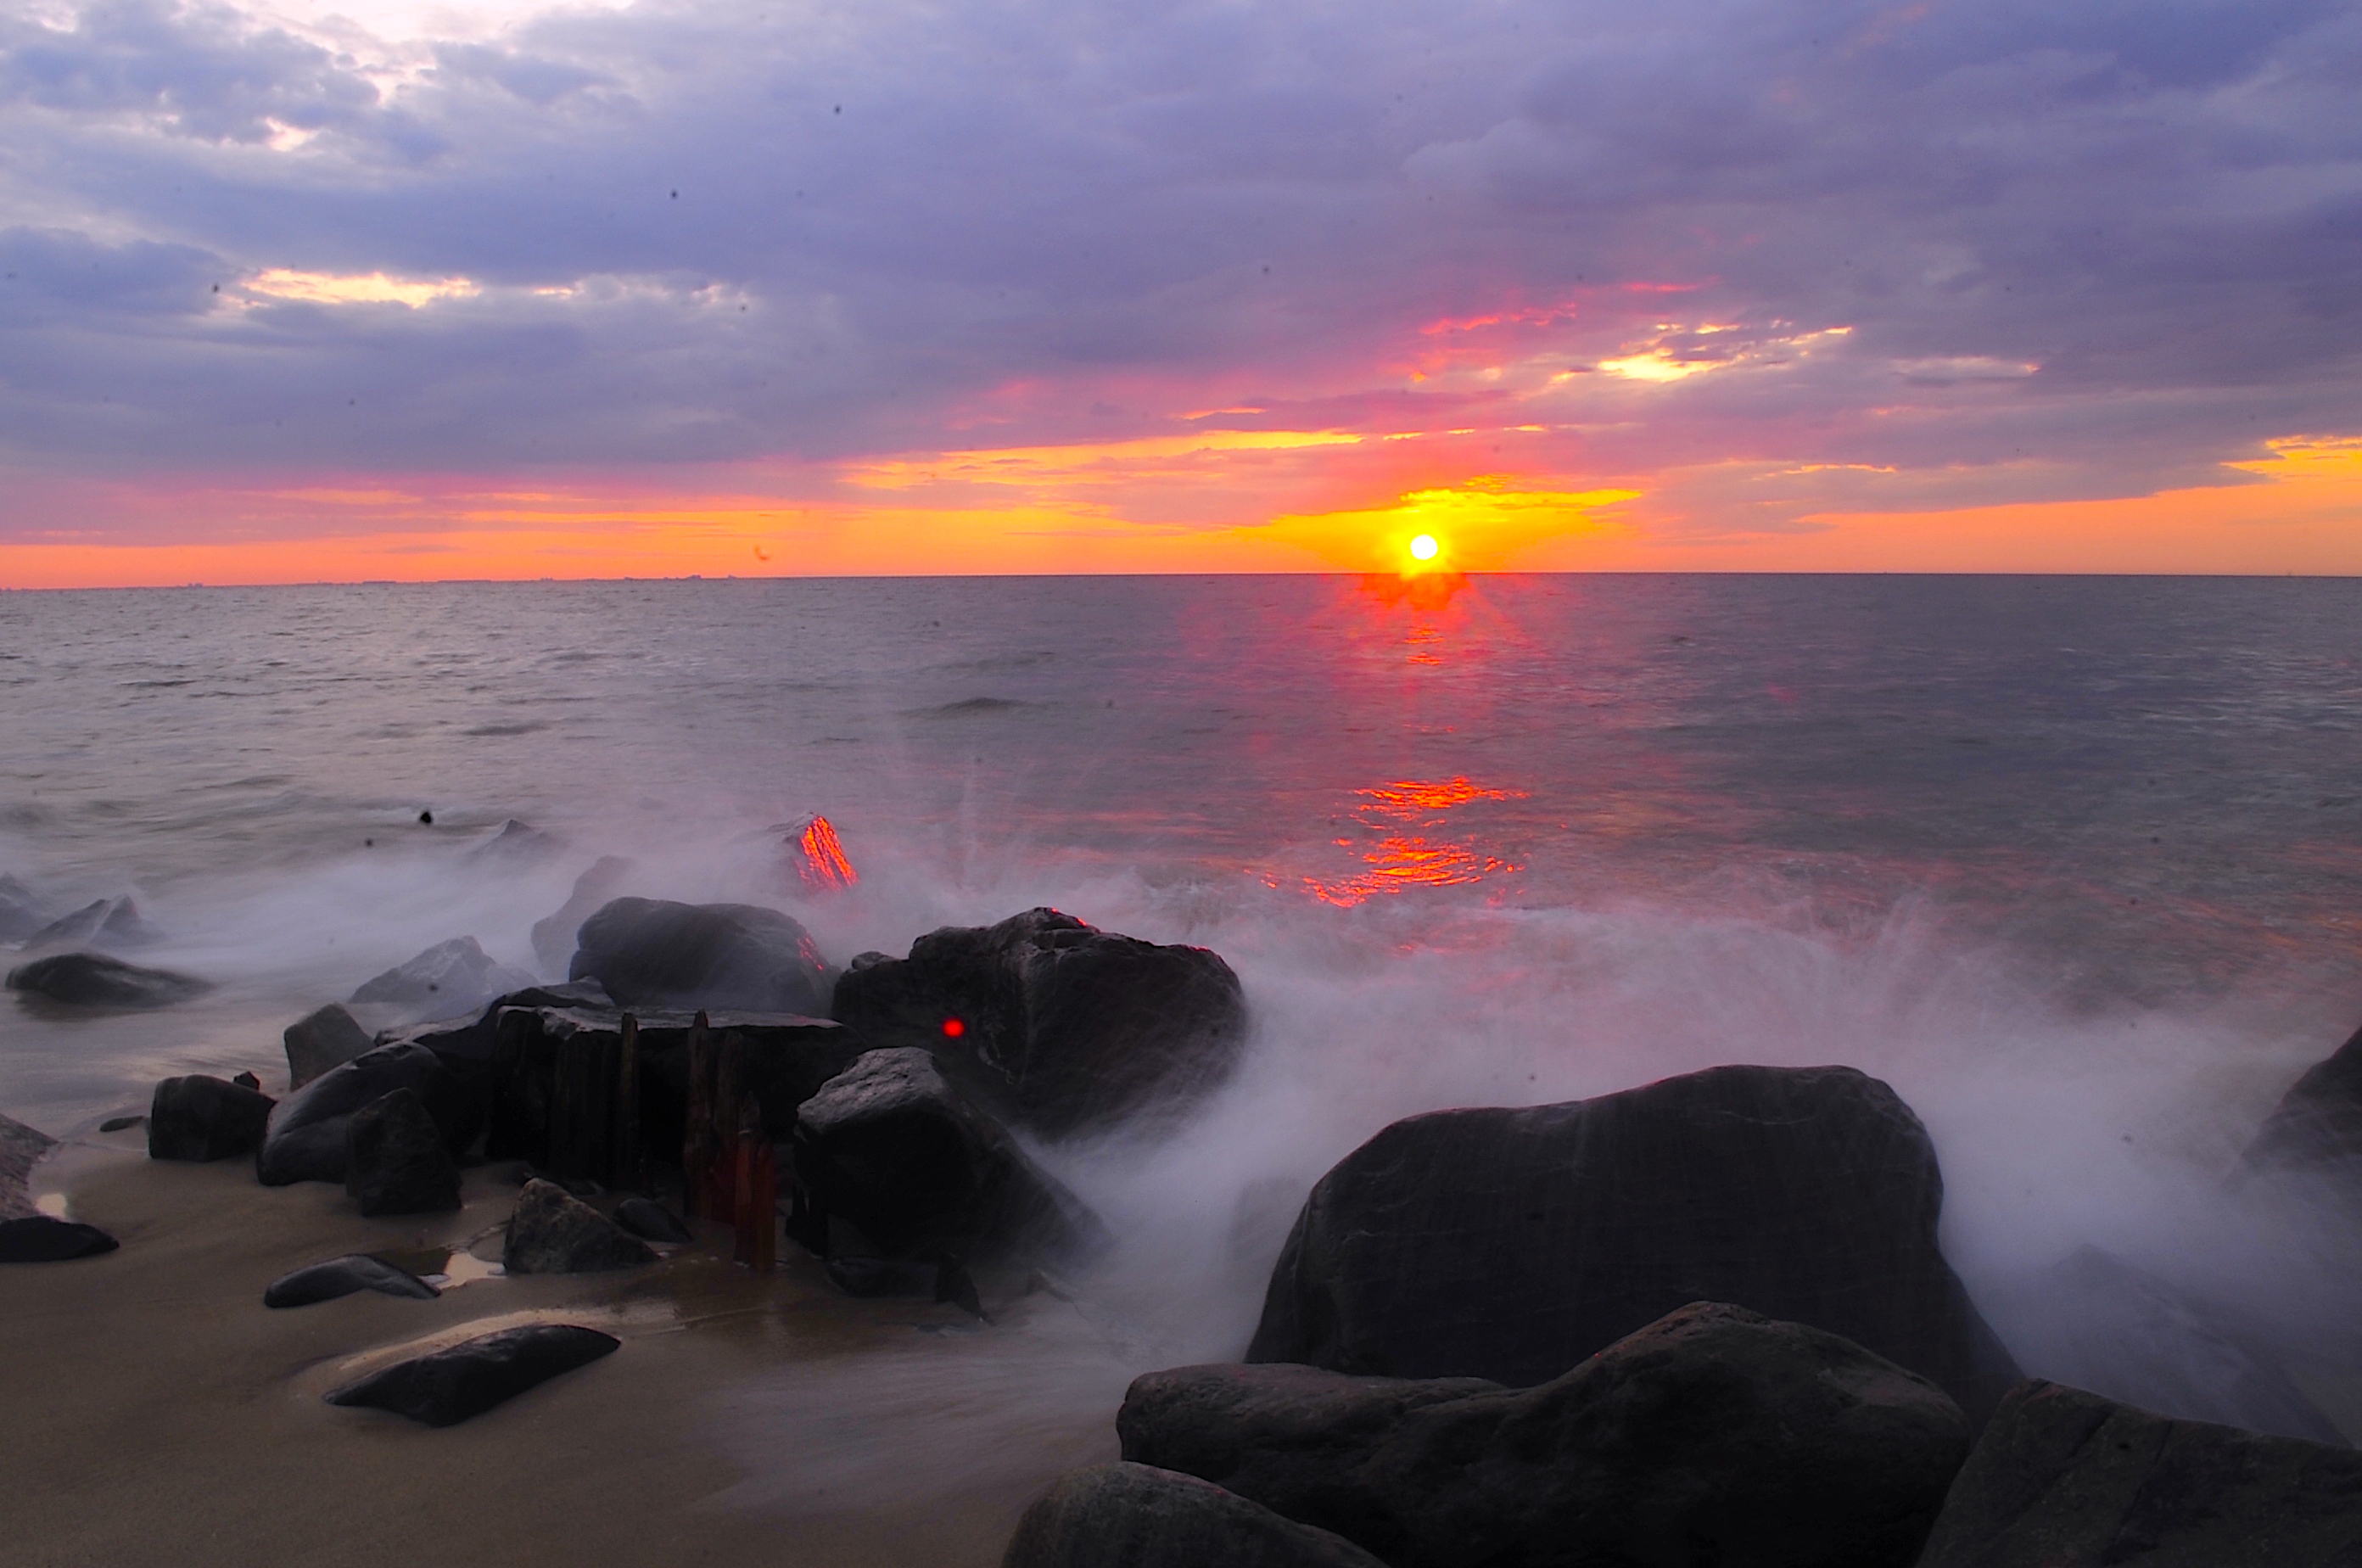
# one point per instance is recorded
(1131, 1516)
(202, 1118)
(1054, 1024)
(2317, 1126)
(103, 922)
(1712, 1436)
(325, 1038)
(554, 936)
(652, 953)
(93, 979)
(395, 1160)
(22, 910)
(471, 1377)
(1512, 1243)
(306, 1138)
(447, 980)
(552, 1231)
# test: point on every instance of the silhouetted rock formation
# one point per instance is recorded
(201, 1117)
(654, 953)
(2318, 1123)
(93, 979)
(1130, 1516)
(454, 1384)
(1512, 1243)
(306, 1138)
(1054, 1024)
(40, 1237)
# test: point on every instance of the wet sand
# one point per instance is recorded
(152, 1410)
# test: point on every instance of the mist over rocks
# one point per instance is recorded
(446, 981)
(94, 979)
(200, 1118)
(2063, 1478)
(22, 910)
(306, 1138)
(1059, 1026)
(1132, 1516)
(1512, 1243)
(103, 923)
(1712, 1436)
(324, 1038)
(554, 935)
(651, 953)
(2317, 1126)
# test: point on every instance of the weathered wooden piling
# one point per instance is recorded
(698, 1145)
(756, 1199)
(629, 1167)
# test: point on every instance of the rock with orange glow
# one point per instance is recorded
(652, 953)
(1512, 1243)
(1055, 1024)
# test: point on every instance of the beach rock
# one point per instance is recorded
(2063, 1478)
(651, 1221)
(306, 1138)
(452, 1386)
(447, 980)
(2317, 1125)
(201, 1117)
(122, 1124)
(93, 979)
(1512, 1243)
(394, 1159)
(2098, 1322)
(1714, 1436)
(1056, 1025)
(344, 1276)
(39, 1238)
(318, 1041)
(554, 936)
(21, 1148)
(1130, 1516)
(552, 1232)
(655, 953)
(517, 844)
(103, 923)
(892, 1147)
(22, 912)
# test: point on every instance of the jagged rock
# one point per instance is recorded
(103, 923)
(21, 1148)
(1058, 1025)
(306, 1138)
(554, 937)
(2097, 1322)
(1713, 1436)
(552, 1232)
(247, 1080)
(39, 1238)
(651, 1221)
(344, 1276)
(517, 844)
(2063, 1478)
(22, 912)
(394, 1159)
(201, 1117)
(451, 1385)
(2318, 1123)
(1512, 1243)
(447, 980)
(655, 953)
(891, 1146)
(318, 1041)
(1130, 1516)
(93, 979)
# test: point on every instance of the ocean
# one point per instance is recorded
(2074, 863)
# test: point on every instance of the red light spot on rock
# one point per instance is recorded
(954, 1028)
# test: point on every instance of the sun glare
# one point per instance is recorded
(1424, 547)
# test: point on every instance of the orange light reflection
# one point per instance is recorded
(1402, 861)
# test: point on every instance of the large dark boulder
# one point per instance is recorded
(324, 1038)
(452, 1386)
(447, 980)
(891, 1146)
(306, 1138)
(2062, 1478)
(2317, 1125)
(554, 935)
(1058, 1026)
(1130, 1516)
(651, 953)
(22, 912)
(105, 922)
(42, 1238)
(93, 979)
(344, 1276)
(395, 1160)
(201, 1117)
(651, 1221)
(1712, 1439)
(552, 1231)
(1512, 1243)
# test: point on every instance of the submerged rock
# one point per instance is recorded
(553, 1232)
(22, 912)
(892, 1147)
(105, 922)
(447, 980)
(651, 1221)
(395, 1160)
(554, 936)
(1130, 1516)
(1056, 1025)
(2062, 1478)
(452, 1386)
(1713, 1436)
(201, 1117)
(306, 1138)
(1513, 1243)
(40, 1237)
(651, 953)
(93, 979)
(328, 1037)
(2318, 1123)
(344, 1276)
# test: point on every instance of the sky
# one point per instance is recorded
(316, 291)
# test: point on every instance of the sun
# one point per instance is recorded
(1423, 547)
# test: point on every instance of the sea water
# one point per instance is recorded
(2075, 864)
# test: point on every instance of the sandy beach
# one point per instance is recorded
(156, 1411)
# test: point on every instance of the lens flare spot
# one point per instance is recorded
(954, 1028)
(1423, 547)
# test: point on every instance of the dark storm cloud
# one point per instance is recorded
(2117, 240)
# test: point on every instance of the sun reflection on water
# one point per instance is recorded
(1414, 854)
